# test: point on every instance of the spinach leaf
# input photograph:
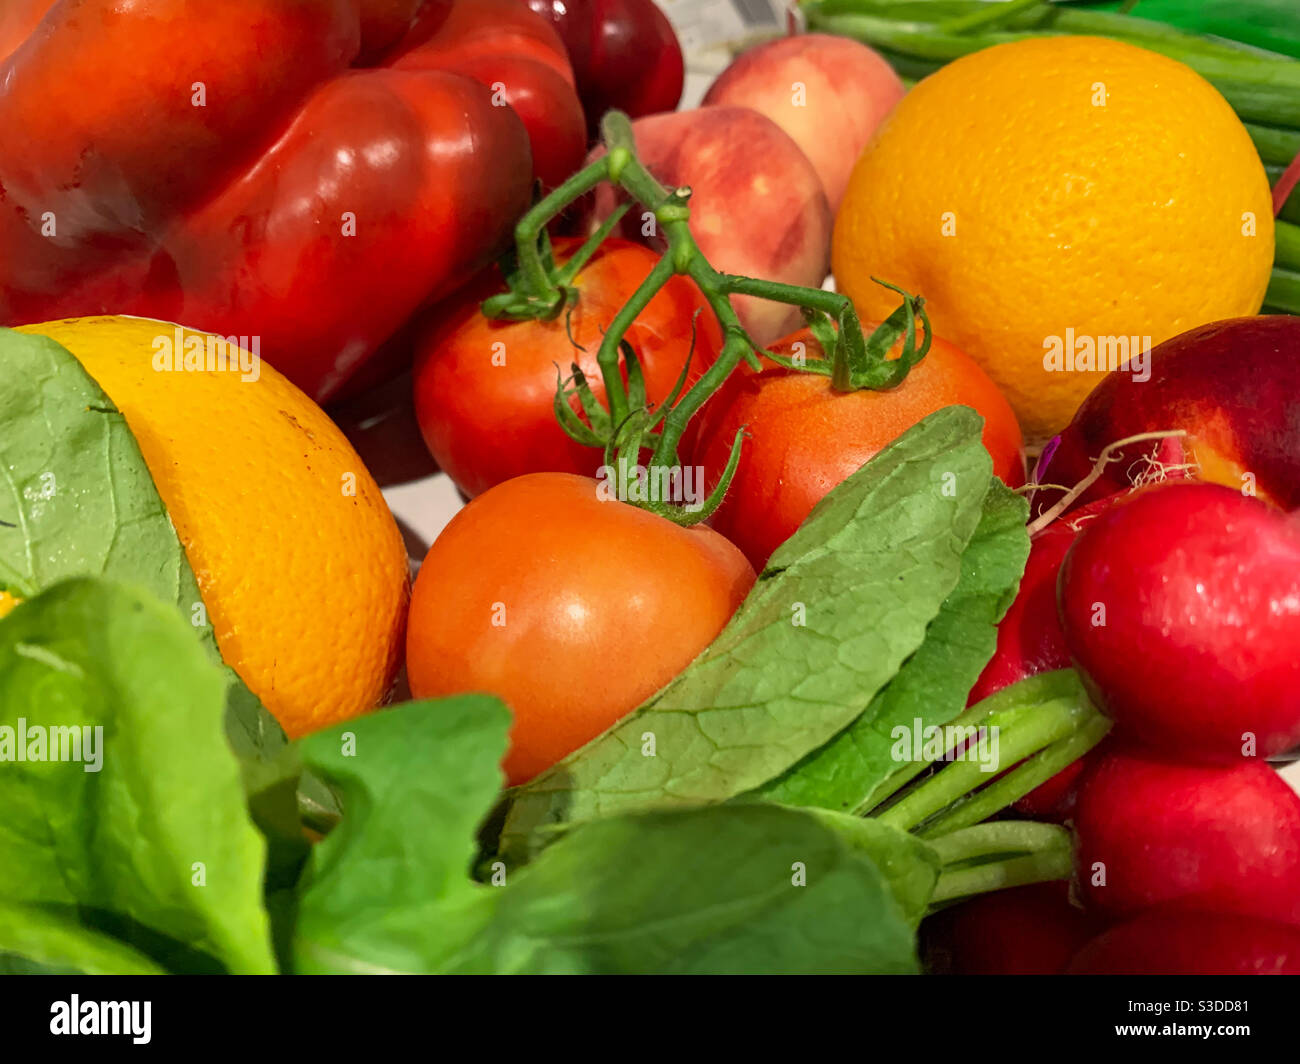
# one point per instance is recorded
(77, 499)
(932, 686)
(389, 888)
(730, 888)
(153, 847)
(724, 889)
(54, 940)
(842, 604)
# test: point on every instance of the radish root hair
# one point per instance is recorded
(1109, 455)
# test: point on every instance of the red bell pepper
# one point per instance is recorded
(308, 172)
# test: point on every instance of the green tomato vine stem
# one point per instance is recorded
(537, 289)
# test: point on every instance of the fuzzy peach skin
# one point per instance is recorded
(757, 205)
(828, 93)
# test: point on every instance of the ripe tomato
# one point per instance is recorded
(805, 438)
(571, 609)
(485, 390)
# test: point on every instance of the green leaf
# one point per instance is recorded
(910, 865)
(389, 888)
(154, 848)
(77, 499)
(703, 890)
(54, 940)
(932, 687)
(865, 574)
(728, 889)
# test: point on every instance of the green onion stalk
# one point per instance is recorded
(1263, 87)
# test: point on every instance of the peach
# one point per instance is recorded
(828, 93)
(757, 205)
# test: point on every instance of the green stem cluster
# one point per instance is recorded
(1043, 724)
(626, 426)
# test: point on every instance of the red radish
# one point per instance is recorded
(1032, 930)
(1054, 799)
(1196, 836)
(1192, 943)
(1181, 604)
(1030, 641)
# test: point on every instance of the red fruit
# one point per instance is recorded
(485, 390)
(1030, 641)
(1192, 943)
(1054, 800)
(625, 55)
(1198, 837)
(1182, 606)
(757, 205)
(803, 438)
(1231, 385)
(1031, 930)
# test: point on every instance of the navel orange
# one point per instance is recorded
(1051, 198)
(301, 566)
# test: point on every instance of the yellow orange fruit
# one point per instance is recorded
(301, 566)
(1053, 192)
(7, 602)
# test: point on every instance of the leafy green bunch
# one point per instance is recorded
(753, 816)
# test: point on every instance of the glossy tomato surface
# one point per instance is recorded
(485, 390)
(571, 609)
(804, 438)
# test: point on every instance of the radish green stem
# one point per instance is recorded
(1013, 872)
(1001, 838)
(1020, 780)
(952, 784)
(1026, 852)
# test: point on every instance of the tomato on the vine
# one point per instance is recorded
(485, 390)
(804, 438)
(571, 607)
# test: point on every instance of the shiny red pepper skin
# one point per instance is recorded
(227, 165)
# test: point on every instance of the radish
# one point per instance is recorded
(1224, 839)
(1030, 930)
(1192, 943)
(1030, 641)
(1181, 605)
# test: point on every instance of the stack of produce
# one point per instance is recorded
(943, 619)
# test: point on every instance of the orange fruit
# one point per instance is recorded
(1053, 195)
(301, 566)
(7, 603)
